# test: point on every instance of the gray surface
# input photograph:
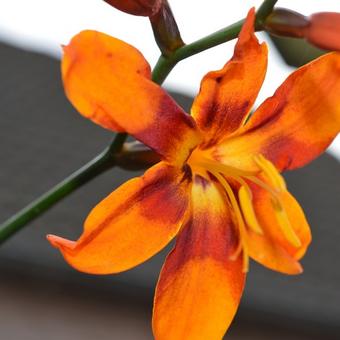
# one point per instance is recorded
(42, 309)
(42, 139)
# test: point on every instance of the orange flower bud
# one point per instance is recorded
(137, 7)
(324, 30)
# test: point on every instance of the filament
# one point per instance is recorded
(248, 210)
(269, 169)
(285, 225)
(243, 245)
(243, 207)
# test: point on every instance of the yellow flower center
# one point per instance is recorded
(236, 185)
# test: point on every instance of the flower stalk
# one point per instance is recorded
(108, 158)
(92, 169)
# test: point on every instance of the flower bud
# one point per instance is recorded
(287, 23)
(136, 156)
(165, 29)
(324, 30)
(320, 29)
(137, 7)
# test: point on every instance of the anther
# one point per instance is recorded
(248, 210)
(272, 173)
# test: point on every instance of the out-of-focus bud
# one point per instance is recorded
(145, 8)
(287, 23)
(165, 30)
(320, 29)
(163, 23)
(136, 156)
(324, 30)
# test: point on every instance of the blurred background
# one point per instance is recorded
(43, 139)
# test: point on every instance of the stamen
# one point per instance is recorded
(248, 210)
(269, 169)
(231, 196)
(285, 225)
(206, 163)
(245, 267)
(237, 252)
(265, 186)
(243, 183)
(239, 218)
(244, 211)
(280, 212)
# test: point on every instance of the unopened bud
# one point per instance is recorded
(320, 29)
(137, 7)
(287, 23)
(136, 156)
(165, 30)
(324, 30)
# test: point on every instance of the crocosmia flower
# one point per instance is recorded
(218, 187)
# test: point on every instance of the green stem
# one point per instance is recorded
(107, 158)
(166, 63)
(265, 9)
(98, 165)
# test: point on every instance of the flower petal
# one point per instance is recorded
(200, 287)
(226, 96)
(295, 125)
(272, 249)
(132, 224)
(108, 81)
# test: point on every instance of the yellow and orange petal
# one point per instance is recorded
(200, 287)
(137, 7)
(227, 96)
(282, 243)
(132, 224)
(109, 82)
(296, 124)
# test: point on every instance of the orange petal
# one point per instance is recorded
(137, 7)
(226, 96)
(200, 287)
(272, 249)
(295, 125)
(108, 81)
(132, 224)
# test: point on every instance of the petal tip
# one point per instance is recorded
(59, 242)
(248, 29)
(297, 270)
(251, 11)
(251, 15)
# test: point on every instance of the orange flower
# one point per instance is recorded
(218, 187)
(137, 7)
